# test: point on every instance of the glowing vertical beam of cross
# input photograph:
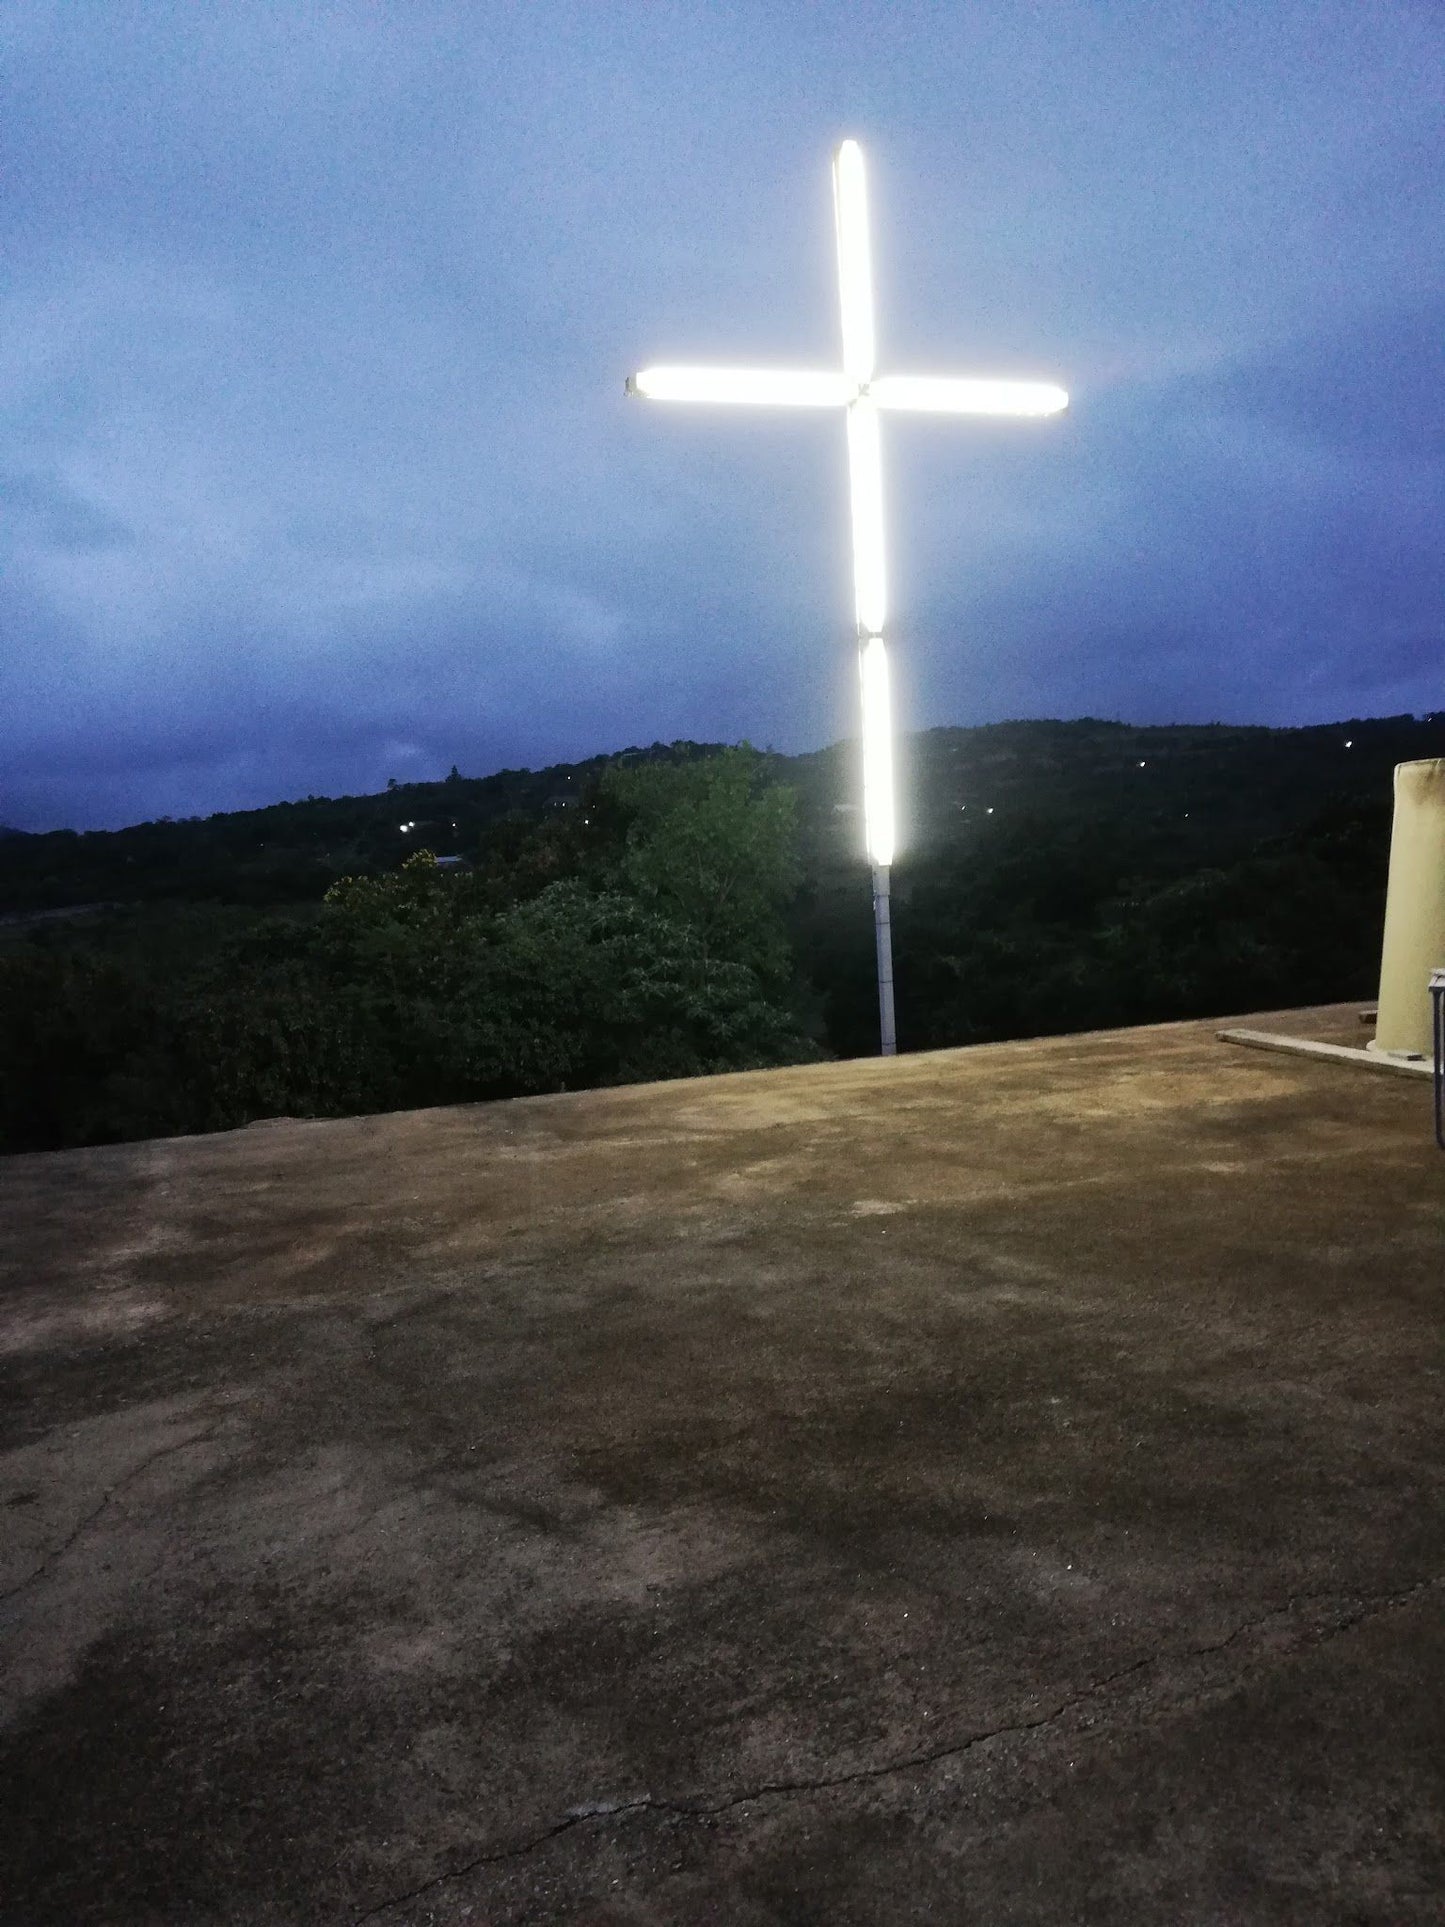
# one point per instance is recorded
(866, 484)
(870, 573)
(855, 264)
(865, 488)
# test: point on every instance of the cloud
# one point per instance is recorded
(315, 322)
(1221, 543)
(45, 512)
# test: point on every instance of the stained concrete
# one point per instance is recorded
(996, 1485)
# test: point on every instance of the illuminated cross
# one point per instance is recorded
(857, 389)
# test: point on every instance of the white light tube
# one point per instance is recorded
(944, 395)
(855, 263)
(865, 487)
(877, 751)
(775, 387)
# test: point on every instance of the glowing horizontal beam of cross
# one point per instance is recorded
(807, 388)
(862, 393)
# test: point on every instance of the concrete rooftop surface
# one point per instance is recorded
(992, 1485)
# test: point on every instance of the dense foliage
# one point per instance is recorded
(674, 912)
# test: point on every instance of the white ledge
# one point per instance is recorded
(1336, 1053)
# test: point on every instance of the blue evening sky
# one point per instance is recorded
(317, 467)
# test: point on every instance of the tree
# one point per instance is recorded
(573, 986)
(597, 987)
(713, 845)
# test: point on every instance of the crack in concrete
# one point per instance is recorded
(57, 1553)
(1369, 1607)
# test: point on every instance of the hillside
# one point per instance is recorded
(1230, 785)
(677, 911)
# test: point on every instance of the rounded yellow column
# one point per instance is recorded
(1414, 942)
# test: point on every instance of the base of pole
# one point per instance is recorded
(883, 935)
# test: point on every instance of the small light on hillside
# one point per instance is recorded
(1141, 762)
(990, 809)
(1349, 742)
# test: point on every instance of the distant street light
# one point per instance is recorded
(861, 393)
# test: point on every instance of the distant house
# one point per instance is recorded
(561, 802)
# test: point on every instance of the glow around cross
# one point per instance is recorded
(857, 388)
